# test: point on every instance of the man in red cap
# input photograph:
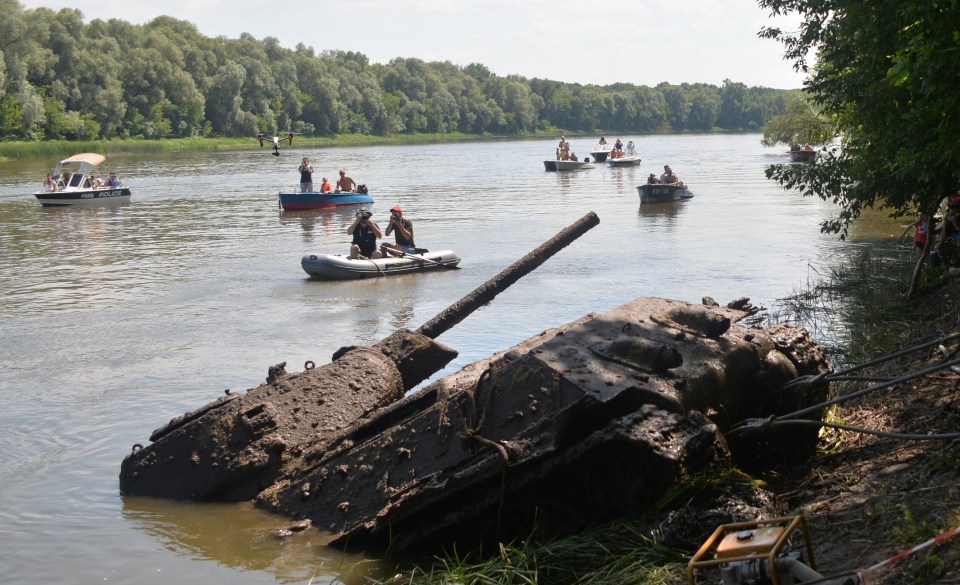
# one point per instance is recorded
(403, 234)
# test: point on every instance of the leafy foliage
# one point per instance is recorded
(63, 79)
(800, 125)
(886, 74)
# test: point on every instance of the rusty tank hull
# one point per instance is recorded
(234, 447)
(584, 423)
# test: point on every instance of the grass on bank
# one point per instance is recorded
(56, 149)
(868, 294)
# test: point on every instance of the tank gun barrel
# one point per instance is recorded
(487, 291)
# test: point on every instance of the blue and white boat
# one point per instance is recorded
(297, 201)
(77, 184)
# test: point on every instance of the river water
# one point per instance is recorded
(116, 319)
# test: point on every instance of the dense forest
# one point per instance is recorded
(63, 79)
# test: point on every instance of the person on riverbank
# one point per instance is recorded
(402, 230)
(306, 176)
(921, 233)
(345, 184)
(365, 233)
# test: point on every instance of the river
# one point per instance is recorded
(116, 319)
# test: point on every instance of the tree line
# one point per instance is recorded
(61, 78)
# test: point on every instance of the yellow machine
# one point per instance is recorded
(754, 553)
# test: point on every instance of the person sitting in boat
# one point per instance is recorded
(807, 148)
(96, 182)
(365, 234)
(653, 180)
(112, 181)
(668, 178)
(49, 184)
(306, 176)
(573, 156)
(796, 147)
(326, 187)
(345, 184)
(631, 149)
(402, 230)
(603, 141)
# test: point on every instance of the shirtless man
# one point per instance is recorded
(346, 184)
(668, 178)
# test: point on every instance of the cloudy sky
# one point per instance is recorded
(642, 42)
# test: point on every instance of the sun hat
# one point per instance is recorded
(396, 208)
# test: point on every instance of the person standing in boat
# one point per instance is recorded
(365, 234)
(668, 178)
(402, 230)
(631, 149)
(49, 184)
(306, 176)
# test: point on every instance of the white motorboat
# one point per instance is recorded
(75, 183)
(566, 165)
(630, 160)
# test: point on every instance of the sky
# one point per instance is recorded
(641, 42)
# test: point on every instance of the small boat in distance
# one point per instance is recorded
(802, 156)
(630, 160)
(567, 165)
(663, 193)
(76, 185)
(297, 201)
(600, 152)
(336, 267)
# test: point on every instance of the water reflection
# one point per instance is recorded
(661, 216)
(242, 537)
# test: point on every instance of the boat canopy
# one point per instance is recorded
(91, 158)
(87, 161)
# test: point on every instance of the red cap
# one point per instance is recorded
(396, 208)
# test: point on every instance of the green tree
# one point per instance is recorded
(800, 124)
(886, 72)
(11, 118)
